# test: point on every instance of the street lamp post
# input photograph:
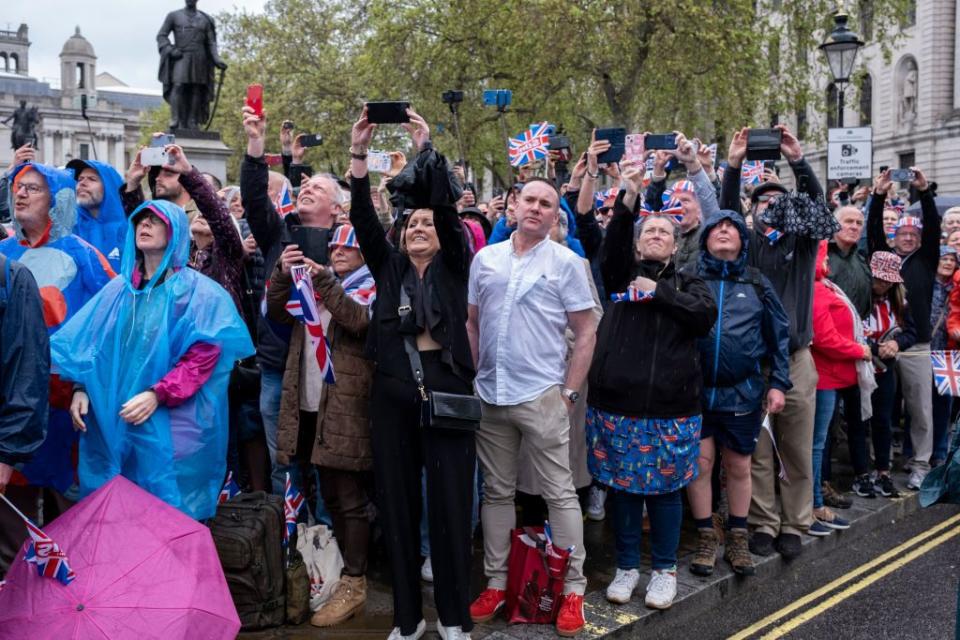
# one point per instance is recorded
(840, 49)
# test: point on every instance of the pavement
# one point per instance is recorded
(877, 525)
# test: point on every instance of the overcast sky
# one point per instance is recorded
(122, 32)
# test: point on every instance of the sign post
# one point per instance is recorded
(850, 153)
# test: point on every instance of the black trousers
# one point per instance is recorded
(346, 496)
(401, 448)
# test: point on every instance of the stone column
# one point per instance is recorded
(47, 149)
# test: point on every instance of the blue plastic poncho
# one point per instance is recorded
(125, 340)
(106, 231)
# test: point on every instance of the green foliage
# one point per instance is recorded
(700, 67)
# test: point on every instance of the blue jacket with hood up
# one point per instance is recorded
(751, 328)
(108, 229)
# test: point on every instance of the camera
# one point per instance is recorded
(764, 144)
(452, 97)
(848, 150)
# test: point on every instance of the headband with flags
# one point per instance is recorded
(530, 146)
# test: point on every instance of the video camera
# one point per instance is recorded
(452, 97)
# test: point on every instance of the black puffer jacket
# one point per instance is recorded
(646, 362)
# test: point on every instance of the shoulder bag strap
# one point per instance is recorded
(416, 365)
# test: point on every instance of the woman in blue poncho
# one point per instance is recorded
(151, 356)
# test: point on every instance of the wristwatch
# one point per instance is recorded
(570, 395)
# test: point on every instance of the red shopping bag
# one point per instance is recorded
(535, 575)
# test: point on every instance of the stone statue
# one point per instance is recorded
(186, 66)
(25, 122)
(908, 95)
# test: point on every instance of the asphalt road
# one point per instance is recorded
(909, 592)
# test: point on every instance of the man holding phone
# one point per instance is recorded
(292, 152)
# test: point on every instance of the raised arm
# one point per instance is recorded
(617, 254)
(876, 237)
(373, 243)
(930, 236)
(265, 224)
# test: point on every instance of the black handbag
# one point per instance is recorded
(438, 410)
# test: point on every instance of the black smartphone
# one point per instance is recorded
(660, 141)
(312, 241)
(617, 137)
(902, 175)
(883, 168)
(764, 144)
(310, 139)
(387, 112)
(287, 124)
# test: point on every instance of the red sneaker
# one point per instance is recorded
(570, 620)
(485, 607)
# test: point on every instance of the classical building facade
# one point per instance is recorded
(114, 110)
(912, 102)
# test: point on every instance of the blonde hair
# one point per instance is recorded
(402, 242)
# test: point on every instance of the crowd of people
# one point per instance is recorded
(627, 344)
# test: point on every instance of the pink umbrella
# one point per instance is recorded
(144, 570)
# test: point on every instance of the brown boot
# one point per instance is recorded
(737, 552)
(347, 599)
(718, 527)
(706, 556)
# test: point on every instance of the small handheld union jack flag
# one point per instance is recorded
(229, 490)
(773, 235)
(632, 295)
(751, 172)
(946, 372)
(50, 559)
(530, 146)
(303, 306)
(292, 503)
(284, 203)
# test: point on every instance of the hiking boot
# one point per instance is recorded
(761, 544)
(833, 498)
(884, 486)
(485, 607)
(347, 600)
(570, 618)
(737, 552)
(706, 556)
(662, 589)
(718, 527)
(789, 545)
(863, 487)
(828, 518)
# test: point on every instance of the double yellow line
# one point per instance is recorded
(791, 624)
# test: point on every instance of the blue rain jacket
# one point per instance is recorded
(124, 341)
(107, 230)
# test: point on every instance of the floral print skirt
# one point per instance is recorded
(642, 455)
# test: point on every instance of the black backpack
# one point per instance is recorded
(248, 534)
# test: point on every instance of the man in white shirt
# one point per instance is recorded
(523, 295)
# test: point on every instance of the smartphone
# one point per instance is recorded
(499, 98)
(379, 161)
(883, 168)
(764, 144)
(273, 159)
(310, 139)
(287, 124)
(255, 98)
(617, 137)
(633, 147)
(902, 175)
(387, 112)
(560, 144)
(660, 141)
(154, 157)
(163, 140)
(312, 241)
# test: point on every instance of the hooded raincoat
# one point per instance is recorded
(107, 230)
(69, 271)
(129, 338)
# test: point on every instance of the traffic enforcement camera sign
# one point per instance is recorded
(850, 153)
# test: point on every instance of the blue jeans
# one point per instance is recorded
(826, 402)
(424, 523)
(941, 425)
(271, 388)
(666, 515)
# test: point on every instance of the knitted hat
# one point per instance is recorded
(886, 266)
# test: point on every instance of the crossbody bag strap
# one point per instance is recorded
(416, 365)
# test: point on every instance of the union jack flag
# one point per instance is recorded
(601, 197)
(229, 490)
(284, 203)
(530, 146)
(292, 503)
(50, 559)
(946, 372)
(751, 172)
(773, 235)
(303, 306)
(672, 207)
(632, 295)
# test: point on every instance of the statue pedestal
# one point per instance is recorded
(205, 150)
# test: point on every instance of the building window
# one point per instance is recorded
(865, 87)
(801, 121)
(907, 160)
(3, 59)
(14, 63)
(831, 97)
(84, 151)
(79, 84)
(910, 18)
(866, 19)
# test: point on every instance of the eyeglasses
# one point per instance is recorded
(32, 189)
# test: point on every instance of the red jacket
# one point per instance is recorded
(835, 351)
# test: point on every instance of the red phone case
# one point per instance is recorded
(255, 98)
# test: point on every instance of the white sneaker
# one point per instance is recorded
(452, 633)
(620, 590)
(426, 570)
(662, 589)
(595, 499)
(421, 629)
(916, 479)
